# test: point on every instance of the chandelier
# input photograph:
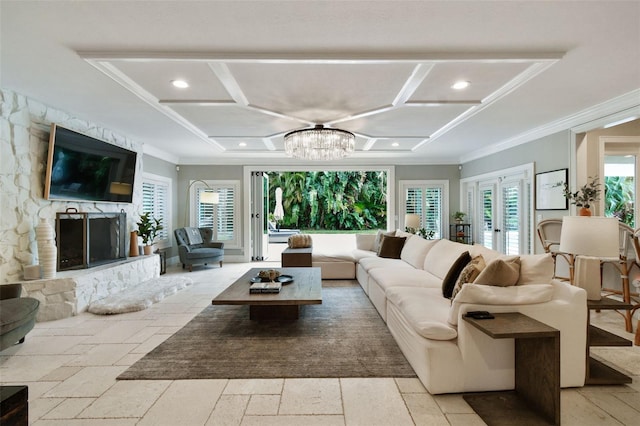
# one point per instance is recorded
(319, 143)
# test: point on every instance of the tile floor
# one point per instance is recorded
(70, 367)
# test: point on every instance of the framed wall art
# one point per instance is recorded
(550, 190)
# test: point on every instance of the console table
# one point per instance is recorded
(536, 398)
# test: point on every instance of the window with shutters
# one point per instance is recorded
(429, 200)
(224, 217)
(156, 199)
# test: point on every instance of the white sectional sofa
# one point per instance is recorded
(448, 354)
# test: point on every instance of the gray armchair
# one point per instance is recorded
(17, 315)
(195, 247)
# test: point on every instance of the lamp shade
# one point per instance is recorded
(209, 197)
(412, 221)
(595, 236)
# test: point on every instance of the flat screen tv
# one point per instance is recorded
(82, 168)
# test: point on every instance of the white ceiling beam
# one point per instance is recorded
(115, 74)
(531, 72)
(324, 57)
(414, 81)
(229, 82)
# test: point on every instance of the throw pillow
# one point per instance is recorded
(300, 241)
(378, 240)
(391, 247)
(503, 272)
(469, 274)
(450, 279)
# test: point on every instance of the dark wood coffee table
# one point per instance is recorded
(306, 289)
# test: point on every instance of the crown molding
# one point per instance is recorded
(158, 153)
(585, 120)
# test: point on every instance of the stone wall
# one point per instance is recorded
(71, 292)
(24, 142)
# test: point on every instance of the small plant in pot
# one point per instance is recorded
(585, 196)
(148, 229)
(459, 216)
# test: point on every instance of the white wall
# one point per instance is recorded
(24, 141)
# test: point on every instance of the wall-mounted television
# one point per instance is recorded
(82, 168)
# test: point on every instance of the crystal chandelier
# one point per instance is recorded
(319, 143)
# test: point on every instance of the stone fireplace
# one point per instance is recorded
(86, 240)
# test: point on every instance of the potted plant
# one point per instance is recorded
(148, 228)
(459, 216)
(585, 196)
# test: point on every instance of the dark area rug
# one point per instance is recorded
(342, 337)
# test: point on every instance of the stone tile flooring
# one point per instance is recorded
(70, 367)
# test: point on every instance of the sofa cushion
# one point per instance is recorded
(203, 253)
(424, 310)
(469, 273)
(415, 249)
(193, 235)
(441, 256)
(358, 254)
(401, 233)
(386, 278)
(536, 269)
(378, 240)
(369, 263)
(501, 272)
(487, 254)
(450, 279)
(391, 247)
(365, 241)
(479, 294)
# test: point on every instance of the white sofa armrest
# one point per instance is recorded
(479, 294)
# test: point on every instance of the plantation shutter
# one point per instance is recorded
(427, 200)
(487, 232)
(510, 218)
(222, 218)
(433, 211)
(225, 220)
(155, 200)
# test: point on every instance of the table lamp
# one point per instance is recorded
(412, 223)
(592, 236)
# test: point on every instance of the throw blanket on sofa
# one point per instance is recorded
(300, 241)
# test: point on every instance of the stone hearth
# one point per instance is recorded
(70, 292)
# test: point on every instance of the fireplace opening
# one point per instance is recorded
(85, 240)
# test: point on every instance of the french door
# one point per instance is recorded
(500, 210)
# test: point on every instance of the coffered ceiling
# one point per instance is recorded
(382, 70)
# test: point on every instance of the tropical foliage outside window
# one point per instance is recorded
(331, 200)
(619, 196)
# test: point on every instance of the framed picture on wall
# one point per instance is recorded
(550, 190)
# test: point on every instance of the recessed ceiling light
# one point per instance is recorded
(459, 85)
(180, 84)
(242, 144)
(395, 144)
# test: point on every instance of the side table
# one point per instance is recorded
(536, 398)
(14, 405)
(597, 372)
(296, 258)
